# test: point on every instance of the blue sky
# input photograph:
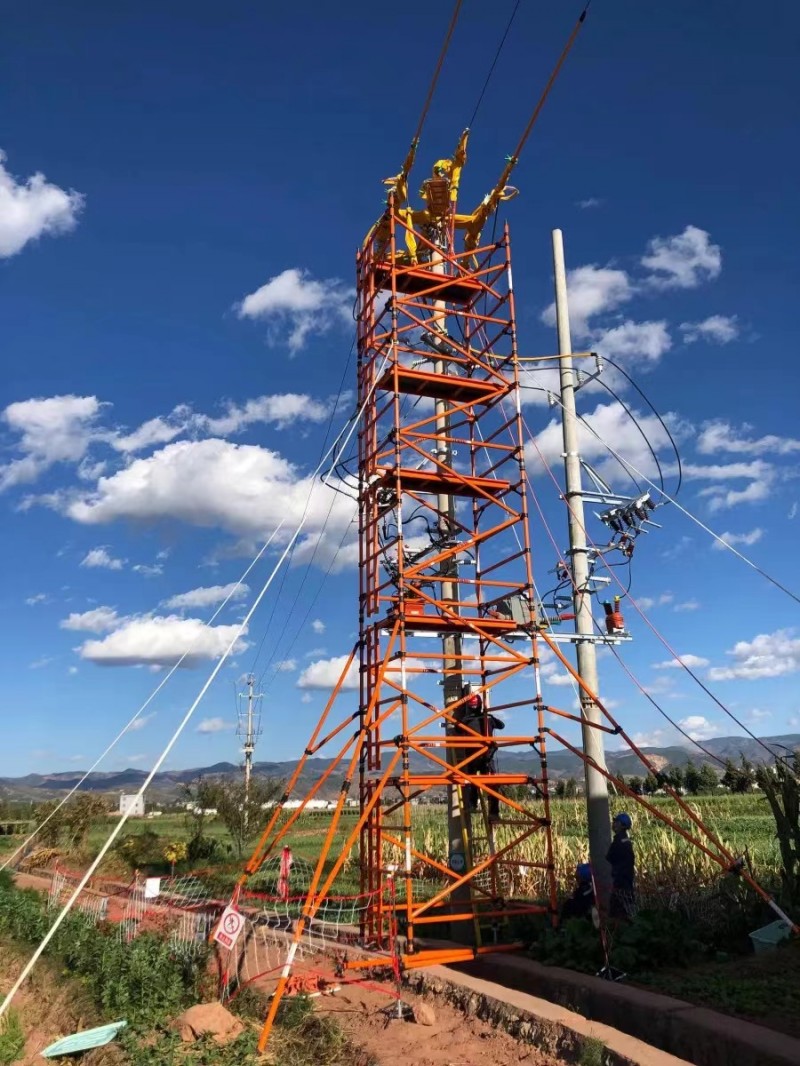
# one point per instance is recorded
(154, 425)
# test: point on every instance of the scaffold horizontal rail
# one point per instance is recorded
(416, 281)
(443, 386)
(439, 483)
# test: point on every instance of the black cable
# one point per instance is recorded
(494, 64)
(664, 425)
(642, 433)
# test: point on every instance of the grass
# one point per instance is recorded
(12, 1037)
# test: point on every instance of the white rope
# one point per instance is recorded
(142, 709)
(126, 814)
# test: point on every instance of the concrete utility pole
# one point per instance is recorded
(249, 730)
(596, 784)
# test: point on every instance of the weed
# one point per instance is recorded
(593, 1052)
(12, 1037)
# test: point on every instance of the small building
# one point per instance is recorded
(133, 806)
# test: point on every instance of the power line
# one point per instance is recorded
(482, 93)
(658, 634)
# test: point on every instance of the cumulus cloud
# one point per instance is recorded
(324, 673)
(245, 490)
(698, 727)
(53, 430)
(722, 436)
(286, 666)
(161, 641)
(717, 329)
(648, 602)
(294, 306)
(98, 620)
(318, 625)
(767, 655)
(148, 570)
(687, 605)
(643, 341)
(214, 725)
(40, 597)
(692, 661)
(753, 537)
(608, 422)
(683, 261)
(590, 201)
(140, 722)
(208, 596)
(280, 410)
(160, 430)
(99, 558)
(592, 290)
(31, 208)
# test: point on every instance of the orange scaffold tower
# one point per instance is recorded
(448, 659)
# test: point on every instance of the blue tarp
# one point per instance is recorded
(84, 1041)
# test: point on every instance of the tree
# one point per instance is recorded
(781, 786)
(241, 813)
(709, 778)
(69, 827)
(636, 785)
(738, 778)
(691, 778)
(675, 778)
(650, 784)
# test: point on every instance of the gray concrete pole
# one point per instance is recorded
(597, 809)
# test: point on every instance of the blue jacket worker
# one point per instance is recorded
(621, 859)
(580, 903)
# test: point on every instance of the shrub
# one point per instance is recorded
(12, 1038)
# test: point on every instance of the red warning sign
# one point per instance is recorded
(230, 926)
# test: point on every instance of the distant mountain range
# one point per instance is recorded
(168, 786)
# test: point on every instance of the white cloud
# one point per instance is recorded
(280, 410)
(721, 436)
(755, 492)
(648, 602)
(32, 208)
(591, 201)
(98, 620)
(54, 430)
(318, 625)
(294, 301)
(45, 660)
(687, 605)
(324, 673)
(646, 341)
(214, 725)
(718, 329)
(286, 666)
(757, 715)
(140, 723)
(692, 661)
(99, 558)
(683, 261)
(72, 670)
(306, 697)
(208, 596)
(753, 537)
(154, 570)
(246, 490)
(767, 655)
(608, 422)
(592, 290)
(161, 641)
(698, 727)
(154, 431)
(40, 597)
(793, 510)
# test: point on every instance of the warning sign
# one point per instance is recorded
(230, 926)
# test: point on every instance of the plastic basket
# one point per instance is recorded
(769, 936)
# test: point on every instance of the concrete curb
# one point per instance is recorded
(550, 1028)
(697, 1034)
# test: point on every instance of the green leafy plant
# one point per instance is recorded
(12, 1037)
(593, 1052)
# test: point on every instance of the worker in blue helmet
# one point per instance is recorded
(622, 862)
(581, 902)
